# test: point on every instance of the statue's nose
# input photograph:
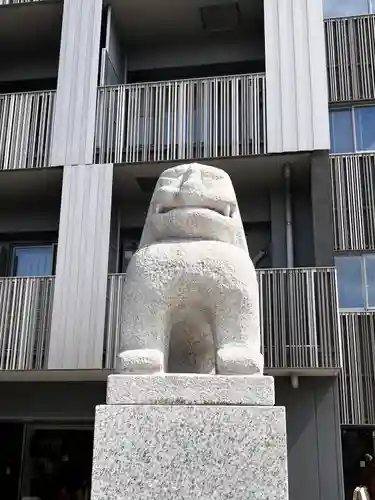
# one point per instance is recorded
(192, 179)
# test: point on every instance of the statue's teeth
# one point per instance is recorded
(227, 211)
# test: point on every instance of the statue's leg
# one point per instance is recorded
(141, 361)
(143, 343)
(237, 335)
(234, 359)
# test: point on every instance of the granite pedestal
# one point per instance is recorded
(190, 437)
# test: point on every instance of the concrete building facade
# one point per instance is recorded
(97, 98)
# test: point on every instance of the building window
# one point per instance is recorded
(341, 128)
(364, 119)
(32, 260)
(356, 281)
(346, 8)
(352, 130)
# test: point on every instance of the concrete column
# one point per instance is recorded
(77, 330)
(296, 77)
(74, 124)
(321, 199)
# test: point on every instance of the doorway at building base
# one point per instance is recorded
(358, 448)
(45, 462)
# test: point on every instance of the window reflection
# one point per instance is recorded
(370, 279)
(356, 281)
(343, 8)
(352, 129)
(32, 261)
(350, 283)
(341, 128)
(364, 128)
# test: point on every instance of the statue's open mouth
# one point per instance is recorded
(226, 210)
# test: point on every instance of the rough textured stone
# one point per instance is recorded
(190, 299)
(188, 452)
(190, 389)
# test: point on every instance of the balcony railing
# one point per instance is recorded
(350, 46)
(14, 2)
(181, 120)
(25, 318)
(353, 195)
(298, 314)
(25, 129)
(299, 318)
(357, 380)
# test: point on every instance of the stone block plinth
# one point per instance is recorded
(180, 437)
(190, 389)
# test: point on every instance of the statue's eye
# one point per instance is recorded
(212, 176)
(166, 181)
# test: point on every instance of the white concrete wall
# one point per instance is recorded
(297, 97)
(74, 124)
(77, 330)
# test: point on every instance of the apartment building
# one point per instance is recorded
(97, 98)
(350, 28)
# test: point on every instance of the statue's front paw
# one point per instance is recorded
(141, 361)
(237, 360)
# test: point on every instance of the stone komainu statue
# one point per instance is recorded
(191, 294)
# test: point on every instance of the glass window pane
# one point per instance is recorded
(365, 128)
(341, 127)
(32, 261)
(350, 282)
(370, 279)
(339, 8)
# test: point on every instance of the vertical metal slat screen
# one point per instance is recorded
(357, 380)
(25, 320)
(25, 129)
(350, 46)
(182, 119)
(11, 2)
(298, 316)
(353, 188)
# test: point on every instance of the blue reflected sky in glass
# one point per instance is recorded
(365, 128)
(33, 261)
(340, 8)
(370, 278)
(350, 282)
(341, 130)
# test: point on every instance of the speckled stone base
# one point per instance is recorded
(186, 452)
(191, 389)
